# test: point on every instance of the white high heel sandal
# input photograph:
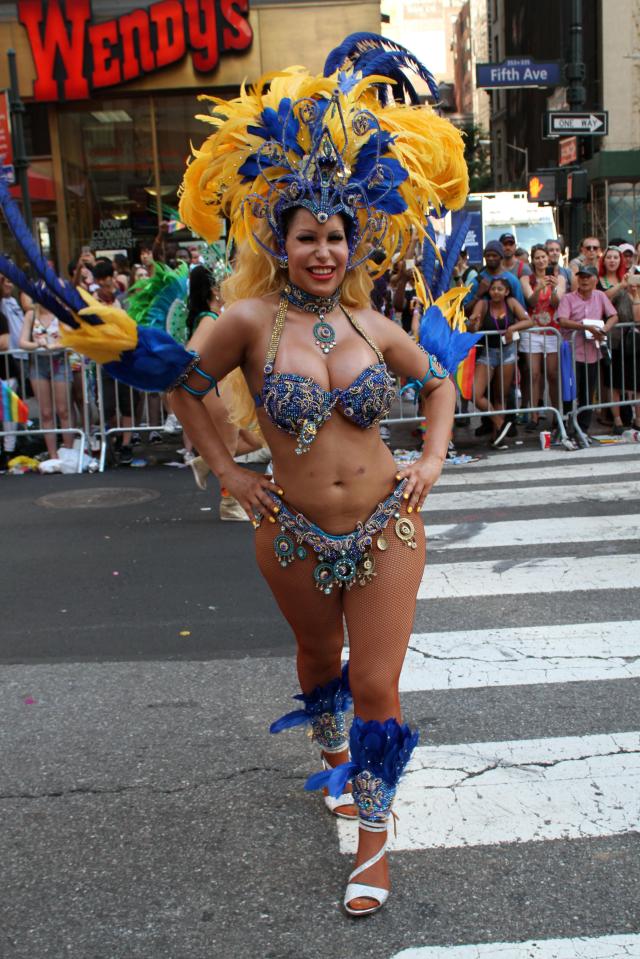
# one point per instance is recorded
(333, 803)
(359, 890)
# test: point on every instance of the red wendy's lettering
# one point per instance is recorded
(62, 34)
(203, 33)
(74, 57)
(168, 17)
(236, 36)
(106, 67)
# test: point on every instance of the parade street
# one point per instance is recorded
(148, 814)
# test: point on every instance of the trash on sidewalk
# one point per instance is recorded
(67, 462)
(23, 464)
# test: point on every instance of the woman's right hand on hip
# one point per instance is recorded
(252, 491)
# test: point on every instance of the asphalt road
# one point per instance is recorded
(147, 813)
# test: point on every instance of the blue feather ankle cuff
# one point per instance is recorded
(324, 710)
(379, 755)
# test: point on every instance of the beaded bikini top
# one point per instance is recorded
(300, 406)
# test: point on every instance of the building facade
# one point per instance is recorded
(110, 89)
(471, 46)
(611, 55)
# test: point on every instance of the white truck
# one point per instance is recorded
(507, 212)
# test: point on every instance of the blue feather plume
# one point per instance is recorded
(29, 247)
(454, 244)
(39, 294)
(369, 54)
(382, 748)
(448, 346)
(333, 697)
(430, 264)
(154, 365)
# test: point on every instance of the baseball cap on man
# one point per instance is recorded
(507, 238)
(494, 246)
(626, 248)
(587, 271)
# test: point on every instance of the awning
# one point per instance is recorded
(41, 187)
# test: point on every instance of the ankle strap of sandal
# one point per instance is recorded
(379, 825)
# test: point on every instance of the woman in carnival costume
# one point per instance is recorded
(313, 174)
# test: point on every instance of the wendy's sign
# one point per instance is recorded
(75, 57)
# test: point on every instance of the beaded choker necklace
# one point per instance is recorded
(323, 332)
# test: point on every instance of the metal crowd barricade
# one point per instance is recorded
(519, 398)
(60, 367)
(122, 410)
(612, 381)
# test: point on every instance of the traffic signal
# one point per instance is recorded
(577, 185)
(541, 188)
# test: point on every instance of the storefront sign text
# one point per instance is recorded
(111, 234)
(74, 57)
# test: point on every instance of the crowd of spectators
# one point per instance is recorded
(527, 304)
(37, 368)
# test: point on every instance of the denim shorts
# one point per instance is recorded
(493, 356)
(51, 367)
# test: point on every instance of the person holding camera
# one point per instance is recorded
(584, 311)
(542, 291)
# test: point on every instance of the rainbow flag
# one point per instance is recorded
(12, 408)
(465, 373)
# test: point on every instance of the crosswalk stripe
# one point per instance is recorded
(531, 496)
(584, 947)
(478, 794)
(522, 655)
(557, 574)
(550, 457)
(533, 532)
(503, 477)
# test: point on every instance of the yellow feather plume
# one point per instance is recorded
(106, 342)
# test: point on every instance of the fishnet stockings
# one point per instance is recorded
(379, 619)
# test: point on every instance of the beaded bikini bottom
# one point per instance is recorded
(348, 558)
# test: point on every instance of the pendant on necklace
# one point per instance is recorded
(324, 334)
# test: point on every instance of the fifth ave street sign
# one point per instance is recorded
(518, 72)
(593, 124)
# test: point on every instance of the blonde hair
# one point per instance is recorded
(257, 273)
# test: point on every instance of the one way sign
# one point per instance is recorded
(593, 124)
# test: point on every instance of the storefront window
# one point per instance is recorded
(176, 129)
(624, 211)
(107, 160)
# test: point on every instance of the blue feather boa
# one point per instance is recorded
(384, 749)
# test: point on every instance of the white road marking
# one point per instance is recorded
(558, 574)
(503, 477)
(584, 947)
(533, 532)
(522, 655)
(480, 794)
(521, 496)
(548, 457)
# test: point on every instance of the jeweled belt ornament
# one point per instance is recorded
(345, 559)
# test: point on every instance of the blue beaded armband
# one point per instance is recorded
(213, 383)
(436, 370)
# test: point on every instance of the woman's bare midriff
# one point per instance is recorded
(340, 480)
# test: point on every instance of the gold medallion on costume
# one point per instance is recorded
(406, 531)
(366, 569)
(383, 542)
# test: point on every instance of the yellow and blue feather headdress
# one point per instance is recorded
(336, 143)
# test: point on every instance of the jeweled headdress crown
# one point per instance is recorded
(332, 144)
